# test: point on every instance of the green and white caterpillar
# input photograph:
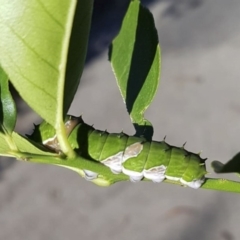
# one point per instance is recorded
(130, 155)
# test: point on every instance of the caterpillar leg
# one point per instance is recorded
(89, 175)
(156, 174)
(194, 184)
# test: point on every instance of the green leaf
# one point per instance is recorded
(135, 59)
(8, 114)
(23, 145)
(77, 50)
(4, 148)
(34, 45)
(31, 147)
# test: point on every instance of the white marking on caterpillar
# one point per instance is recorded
(156, 174)
(135, 179)
(71, 123)
(52, 143)
(114, 162)
(133, 151)
(134, 176)
(89, 175)
(194, 184)
(172, 178)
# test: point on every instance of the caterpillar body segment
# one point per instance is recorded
(133, 156)
(139, 158)
(152, 169)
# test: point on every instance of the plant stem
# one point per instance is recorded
(63, 141)
(222, 185)
(10, 142)
(79, 163)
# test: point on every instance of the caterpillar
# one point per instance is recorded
(131, 155)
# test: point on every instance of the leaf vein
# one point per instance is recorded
(50, 15)
(30, 48)
(28, 80)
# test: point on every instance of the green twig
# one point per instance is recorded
(12, 145)
(63, 141)
(222, 185)
(79, 163)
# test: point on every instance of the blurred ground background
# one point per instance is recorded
(198, 102)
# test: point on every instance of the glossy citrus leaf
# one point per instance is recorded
(23, 145)
(34, 45)
(26, 145)
(4, 148)
(8, 114)
(77, 50)
(135, 59)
